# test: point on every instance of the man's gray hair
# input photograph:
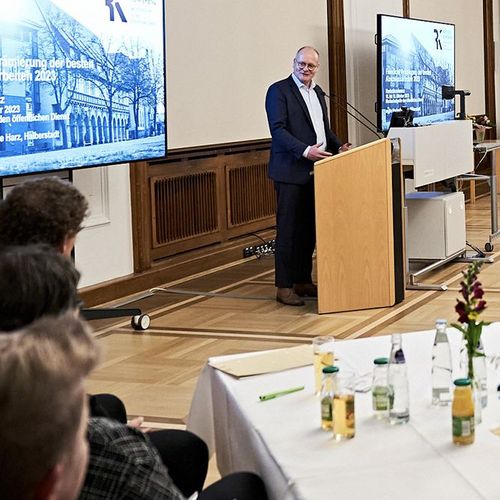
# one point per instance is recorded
(306, 47)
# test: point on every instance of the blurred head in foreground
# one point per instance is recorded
(43, 408)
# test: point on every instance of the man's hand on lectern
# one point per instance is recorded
(316, 154)
(345, 147)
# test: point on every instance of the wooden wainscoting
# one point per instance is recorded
(199, 197)
(187, 205)
(184, 206)
(249, 195)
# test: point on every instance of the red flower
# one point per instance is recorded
(477, 291)
(481, 306)
(471, 289)
(462, 313)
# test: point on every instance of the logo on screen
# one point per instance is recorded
(116, 5)
(437, 40)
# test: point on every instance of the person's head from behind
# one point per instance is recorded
(47, 210)
(35, 281)
(43, 408)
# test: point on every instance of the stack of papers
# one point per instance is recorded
(265, 362)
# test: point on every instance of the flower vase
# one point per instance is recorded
(480, 375)
(480, 134)
(471, 368)
(474, 368)
(476, 394)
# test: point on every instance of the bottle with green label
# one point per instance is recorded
(380, 389)
(327, 393)
(462, 411)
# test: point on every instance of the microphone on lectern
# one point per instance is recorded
(345, 105)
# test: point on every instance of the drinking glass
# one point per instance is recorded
(343, 406)
(323, 356)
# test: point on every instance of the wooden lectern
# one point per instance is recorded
(359, 229)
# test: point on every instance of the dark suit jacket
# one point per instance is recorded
(292, 131)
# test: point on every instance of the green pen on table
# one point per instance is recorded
(272, 395)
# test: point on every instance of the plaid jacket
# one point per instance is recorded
(123, 465)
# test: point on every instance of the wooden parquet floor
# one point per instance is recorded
(155, 372)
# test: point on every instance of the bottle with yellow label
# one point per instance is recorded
(462, 411)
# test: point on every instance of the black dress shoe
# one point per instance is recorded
(306, 290)
(288, 297)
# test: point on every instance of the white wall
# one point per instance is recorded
(222, 55)
(467, 16)
(103, 249)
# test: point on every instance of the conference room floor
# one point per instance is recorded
(155, 371)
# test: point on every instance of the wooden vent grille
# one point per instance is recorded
(185, 207)
(251, 194)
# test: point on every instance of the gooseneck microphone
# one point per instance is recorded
(346, 105)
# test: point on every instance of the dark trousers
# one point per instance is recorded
(108, 406)
(295, 233)
(185, 455)
(236, 486)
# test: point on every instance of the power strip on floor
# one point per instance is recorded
(266, 248)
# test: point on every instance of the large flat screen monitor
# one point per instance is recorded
(415, 58)
(82, 83)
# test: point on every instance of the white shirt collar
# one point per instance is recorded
(300, 85)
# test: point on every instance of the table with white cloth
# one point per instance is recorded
(282, 441)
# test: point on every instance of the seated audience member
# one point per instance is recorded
(122, 463)
(43, 409)
(48, 210)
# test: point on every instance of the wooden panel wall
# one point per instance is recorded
(250, 194)
(184, 206)
(198, 197)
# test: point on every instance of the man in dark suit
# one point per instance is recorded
(298, 121)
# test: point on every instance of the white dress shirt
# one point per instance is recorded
(314, 107)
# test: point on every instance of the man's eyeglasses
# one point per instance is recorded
(302, 65)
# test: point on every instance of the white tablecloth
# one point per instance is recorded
(282, 441)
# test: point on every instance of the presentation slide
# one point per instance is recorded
(82, 83)
(417, 59)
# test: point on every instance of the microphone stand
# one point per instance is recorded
(345, 105)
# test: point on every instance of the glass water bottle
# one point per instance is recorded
(397, 378)
(441, 366)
